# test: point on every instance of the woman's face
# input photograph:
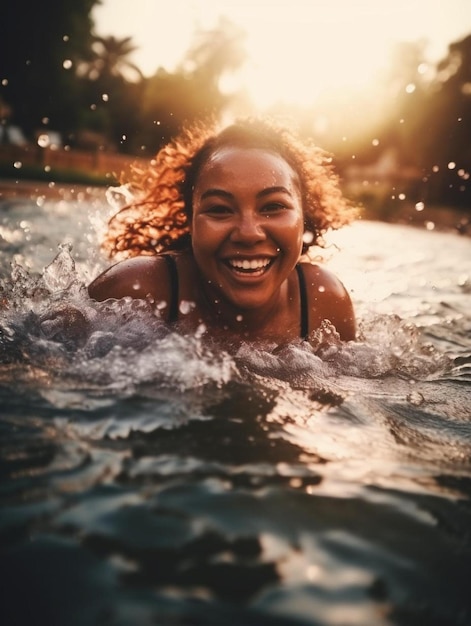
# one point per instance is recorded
(247, 224)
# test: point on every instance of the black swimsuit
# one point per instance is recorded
(303, 303)
(172, 270)
(173, 308)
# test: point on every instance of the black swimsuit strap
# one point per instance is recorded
(303, 303)
(173, 273)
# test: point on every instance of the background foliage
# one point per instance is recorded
(56, 74)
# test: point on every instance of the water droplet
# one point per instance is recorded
(451, 165)
(410, 88)
(136, 285)
(18, 165)
(430, 225)
(200, 331)
(463, 279)
(104, 97)
(308, 237)
(420, 206)
(415, 398)
(402, 196)
(321, 289)
(67, 64)
(44, 140)
(313, 572)
(375, 142)
(239, 318)
(186, 307)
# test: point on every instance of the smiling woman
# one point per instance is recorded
(217, 228)
(247, 232)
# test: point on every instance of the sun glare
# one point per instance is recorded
(297, 50)
(308, 64)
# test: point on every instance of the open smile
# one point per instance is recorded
(249, 267)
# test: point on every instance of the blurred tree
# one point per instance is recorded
(109, 58)
(213, 54)
(443, 129)
(56, 73)
(194, 89)
(403, 93)
(112, 89)
(40, 46)
(421, 121)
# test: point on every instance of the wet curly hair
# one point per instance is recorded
(159, 216)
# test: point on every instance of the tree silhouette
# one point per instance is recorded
(442, 128)
(215, 53)
(109, 58)
(40, 47)
(193, 90)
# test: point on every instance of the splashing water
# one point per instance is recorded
(149, 477)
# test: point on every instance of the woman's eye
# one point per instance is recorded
(218, 209)
(273, 207)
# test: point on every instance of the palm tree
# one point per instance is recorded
(109, 59)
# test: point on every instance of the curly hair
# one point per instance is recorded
(159, 216)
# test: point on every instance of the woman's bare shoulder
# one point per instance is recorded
(138, 277)
(329, 299)
(322, 280)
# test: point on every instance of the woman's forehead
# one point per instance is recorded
(229, 163)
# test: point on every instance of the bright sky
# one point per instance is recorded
(296, 48)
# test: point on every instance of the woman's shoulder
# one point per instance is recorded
(329, 299)
(322, 280)
(138, 277)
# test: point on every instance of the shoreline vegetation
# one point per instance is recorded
(440, 218)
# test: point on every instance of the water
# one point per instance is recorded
(148, 478)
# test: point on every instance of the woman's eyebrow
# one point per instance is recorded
(216, 192)
(269, 190)
(226, 194)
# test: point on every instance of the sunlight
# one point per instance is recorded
(297, 50)
(305, 67)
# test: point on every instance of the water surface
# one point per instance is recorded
(149, 478)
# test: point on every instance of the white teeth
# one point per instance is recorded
(246, 264)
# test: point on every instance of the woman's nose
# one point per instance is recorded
(248, 229)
